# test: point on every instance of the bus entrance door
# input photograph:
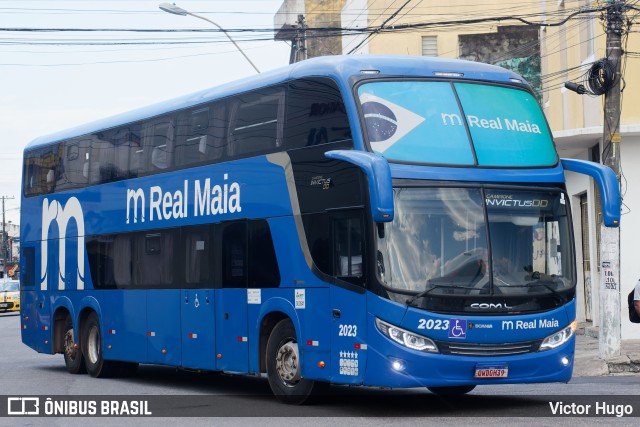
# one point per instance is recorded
(232, 330)
(198, 329)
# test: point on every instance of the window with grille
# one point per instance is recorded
(429, 45)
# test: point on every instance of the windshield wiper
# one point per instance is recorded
(536, 284)
(424, 293)
(561, 297)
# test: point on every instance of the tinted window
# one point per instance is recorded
(132, 260)
(110, 260)
(154, 151)
(316, 227)
(256, 122)
(201, 134)
(348, 246)
(263, 265)
(40, 170)
(336, 242)
(248, 255)
(109, 158)
(73, 169)
(198, 251)
(153, 259)
(234, 255)
(315, 114)
(27, 275)
(248, 124)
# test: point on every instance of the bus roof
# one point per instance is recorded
(340, 68)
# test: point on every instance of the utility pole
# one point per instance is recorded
(4, 238)
(610, 306)
(299, 43)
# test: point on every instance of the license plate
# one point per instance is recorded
(4, 304)
(494, 371)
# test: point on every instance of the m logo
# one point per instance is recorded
(507, 325)
(55, 211)
(134, 196)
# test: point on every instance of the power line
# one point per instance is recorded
(381, 27)
(372, 30)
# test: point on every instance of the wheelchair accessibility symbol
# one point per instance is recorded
(458, 329)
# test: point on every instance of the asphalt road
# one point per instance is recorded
(216, 399)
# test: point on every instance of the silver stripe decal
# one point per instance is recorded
(284, 161)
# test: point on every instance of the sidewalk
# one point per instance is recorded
(587, 358)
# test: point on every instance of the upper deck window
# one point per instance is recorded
(451, 123)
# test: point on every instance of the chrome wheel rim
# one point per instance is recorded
(70, 349)
(93, 344)
(288, 363)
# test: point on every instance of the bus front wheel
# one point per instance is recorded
(73, 359)
(283, 365)
(92, 350)
(456, 390)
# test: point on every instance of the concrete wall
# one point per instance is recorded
(355, 14)
(578, 185)
(323, 14)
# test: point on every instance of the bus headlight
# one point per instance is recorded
(406, 338)
(559, 338)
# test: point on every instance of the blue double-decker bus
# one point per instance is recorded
(365, 220)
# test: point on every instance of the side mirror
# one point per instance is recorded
(607, 183)
(378, 173)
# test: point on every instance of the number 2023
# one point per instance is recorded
(433, 324)
(348, 330)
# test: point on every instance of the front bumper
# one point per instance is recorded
(422, 369)
(9, 306)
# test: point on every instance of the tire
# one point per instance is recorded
(73, 359)
(283, 366)
(96, 366)
(456, 390)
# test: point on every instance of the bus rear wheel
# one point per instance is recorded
(92, 350)
(283, 365)
(73, 359)
(455, 390)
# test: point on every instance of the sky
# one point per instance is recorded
(49, 87)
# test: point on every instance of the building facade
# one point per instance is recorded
(10, 256)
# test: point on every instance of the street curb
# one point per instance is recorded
(624, 364)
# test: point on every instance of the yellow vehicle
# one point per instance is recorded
(10, 296)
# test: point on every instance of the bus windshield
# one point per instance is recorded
(441, 122)
(470, 241)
